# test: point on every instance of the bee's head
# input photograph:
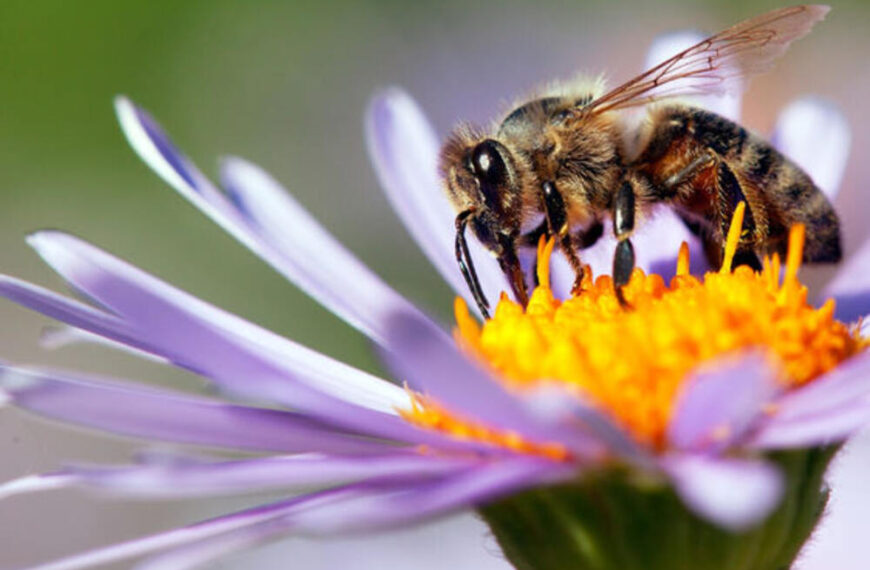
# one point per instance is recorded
(481, 178)
(483, 185)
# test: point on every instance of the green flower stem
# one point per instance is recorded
(618, 520)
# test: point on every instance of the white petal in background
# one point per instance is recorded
(669, 45)
(840, 541)
(815, 134)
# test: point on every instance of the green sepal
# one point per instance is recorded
(617, 519)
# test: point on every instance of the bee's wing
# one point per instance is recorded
(712, 65)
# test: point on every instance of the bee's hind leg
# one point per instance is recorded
(731, 193)
(623, 225)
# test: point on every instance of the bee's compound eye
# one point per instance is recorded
(488, 164)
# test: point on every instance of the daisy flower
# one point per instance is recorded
(691, 432)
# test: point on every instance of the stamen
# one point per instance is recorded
(467, 327)
(796, 237)
(545, 251)
(733, 239)
(772, 282)
(776, 266)
(683, 260)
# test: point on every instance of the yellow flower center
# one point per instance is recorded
(632, 363)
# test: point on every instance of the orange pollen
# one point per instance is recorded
(632, 363)
(426, 413)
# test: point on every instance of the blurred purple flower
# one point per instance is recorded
(334, 427)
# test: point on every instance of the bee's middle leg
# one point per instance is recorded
(623, 226)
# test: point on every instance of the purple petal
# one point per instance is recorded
(61, 337)
(198, 553)
(404, 150)
(68, 310)
(158, 152)
(600, 256)
(850, 288)
(261, 207)
(551, 401)
(35, 484)
(430, 362)
(237, 358)
(843, 386)
(374, 510)
(732, 493)
(465, 489)
(669, 45)
(824, 428)
(562, 275)
(187, 478)
(658, 242)
(353, 507)
(218, 527)
(235, 353)
(721, 402)
(136, 411)
(830, 409)
(311, 257)
(816, 135)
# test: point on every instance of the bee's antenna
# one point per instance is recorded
(463, 257)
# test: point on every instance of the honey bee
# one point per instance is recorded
(560, 165)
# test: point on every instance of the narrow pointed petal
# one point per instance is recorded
(35, 484)
(311, 257)
(253, 219)
(64, 336)
(198, 553)
(553, 403)
(815, 134)
(825, 428)
(720, 403)
(732, 493)
(850, 288)
(372, 510)
(404, 150)
(830, 409)
(157, 151)
(430, 362)
(847, 384)
(235, 353)
(67, 310)
(136, 411)
(194, 478)
(465, 489)
(192, 534)
(264, 383)
(668, 45)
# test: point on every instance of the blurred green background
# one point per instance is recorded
(285, 84)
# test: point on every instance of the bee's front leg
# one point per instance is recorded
(510, 266)
(557, 223)
(623, 226)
